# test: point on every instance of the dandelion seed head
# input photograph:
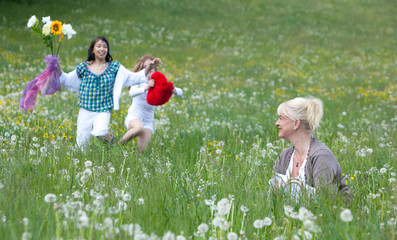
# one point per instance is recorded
(346, 215)
(50, 198)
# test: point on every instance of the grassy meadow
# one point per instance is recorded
(236, 61)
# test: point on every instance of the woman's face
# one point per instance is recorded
(100, 50)
(146, 64)
(285, 126)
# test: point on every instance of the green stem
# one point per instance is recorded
(59, 46)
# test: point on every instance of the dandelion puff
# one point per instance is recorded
(232, 236)
(382, 170)
(346, 215)
(244, 209)
(127, 197)
(50, 198)
(391, 180)
(311, 226)
(304, 213)
(217, 221)
(258, 224)
(180, 237)
(223, 206)
(87, 164)
(26, 236)
(169, 236)
(141, 201)
(267, 221)
(224, 225)
(209, 202)
(203, 228)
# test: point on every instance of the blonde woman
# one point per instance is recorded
(308, 162)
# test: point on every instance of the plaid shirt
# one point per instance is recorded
(96, 91)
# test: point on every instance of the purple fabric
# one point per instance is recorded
(47, 82)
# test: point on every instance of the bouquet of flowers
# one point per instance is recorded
(52, 34)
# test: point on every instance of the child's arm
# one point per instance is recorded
(70, 81)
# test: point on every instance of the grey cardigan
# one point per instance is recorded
(322, 168)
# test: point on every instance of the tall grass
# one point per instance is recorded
(236, 61)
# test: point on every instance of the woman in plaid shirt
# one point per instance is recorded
(99, 81)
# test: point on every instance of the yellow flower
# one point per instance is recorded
(56, 27)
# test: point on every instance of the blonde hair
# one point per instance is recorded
(309, 110)
(139, 64)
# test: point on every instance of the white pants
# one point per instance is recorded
(91, 123)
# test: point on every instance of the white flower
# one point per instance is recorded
(346, 215)
(224, 225)
(180, 237)
(32, 21)
(258, 224)
(127, 197)
(244, 208)
(392, 180)
(169, 236)
(218, 151)
(26, 236)
(311, 226)
(88, 164)
(209, 202)
(223, 206)
(382, 170)
(217, 221)
(68, 30)
(47, 28)
(203, 228)
(76, 194)
(267, 221)
(141, 201)
(50, 198)
(45, 19)
(304, 213)
(232, 236)
(122, 206)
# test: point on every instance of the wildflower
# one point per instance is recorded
(232, 236)
(46, 19)
(121, 206)
(267, 221)
(223, 206)
(346, 215)
(68, 30)
(26, 236)
(111, 169)
(87, 164)
(50, 198)
(392, 180)
(25, 221)
(224, 225)
(56, 27)
(141, 201)
(217, 221)
(258, 224)
(127, 197)
(304, 213)
(33, 21)
(180, 237)
(218, 151)
(76, 194)
(382, 170)
(203, 228)
(47, 28)
(209, 202)
(244, 209)
(169, 236)
(311, 226)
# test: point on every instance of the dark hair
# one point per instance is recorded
(91, 56)
(139, 64)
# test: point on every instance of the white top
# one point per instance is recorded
(301, 175)
(124, 78)
(139, 107)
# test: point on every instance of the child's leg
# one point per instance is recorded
(144, 139)
(84, 126)
(135, 128)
